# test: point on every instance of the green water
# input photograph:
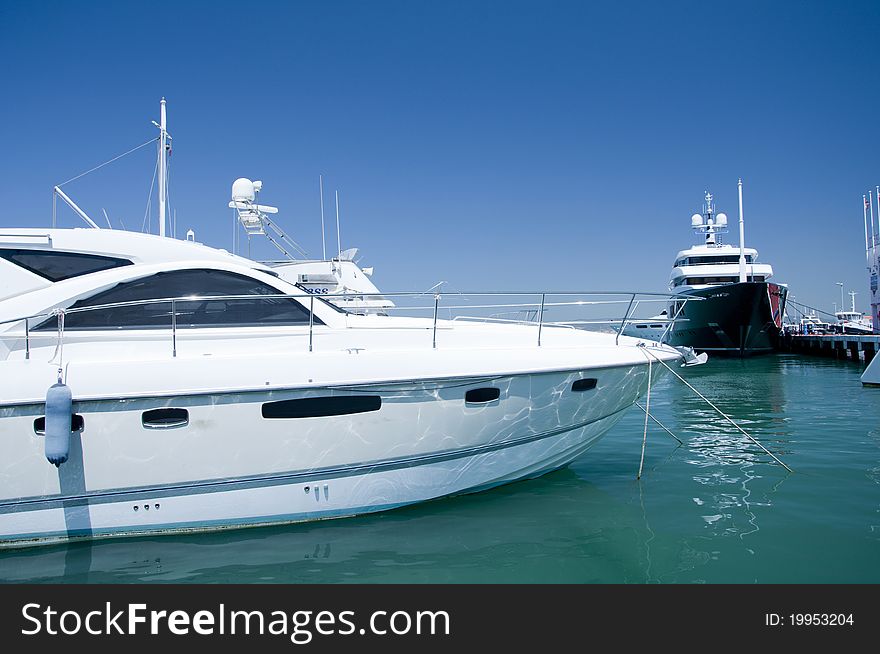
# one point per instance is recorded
(713, 510)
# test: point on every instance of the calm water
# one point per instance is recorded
(713, 510)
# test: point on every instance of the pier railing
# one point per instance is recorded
(548, 309)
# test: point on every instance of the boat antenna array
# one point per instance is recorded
(254, 217)
(709, 222)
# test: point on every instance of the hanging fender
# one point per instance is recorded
(59, 413)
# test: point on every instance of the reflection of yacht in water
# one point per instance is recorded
(740, 312)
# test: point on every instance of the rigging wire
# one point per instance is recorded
(150, 197)
(91, 170)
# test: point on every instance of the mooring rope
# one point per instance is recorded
(719, 411)
(59, 345)
(662, 426)
(647, 413)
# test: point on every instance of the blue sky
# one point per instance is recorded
(494, 145)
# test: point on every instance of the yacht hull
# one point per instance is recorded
(230, 469)
(741, 319)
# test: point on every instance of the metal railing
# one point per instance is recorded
(537, 308)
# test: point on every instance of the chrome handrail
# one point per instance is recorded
(541, 305)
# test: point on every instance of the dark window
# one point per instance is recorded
(165, 418)
(76, 424)
(582, 385)
(198, 312)
(319, 407)
(482, 395)
(707, 260)
(710, 280)
(58, 266)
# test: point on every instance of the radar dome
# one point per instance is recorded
(243, 189)
(696, 220)
(721, 220)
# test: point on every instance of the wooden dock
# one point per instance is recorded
(838, 346)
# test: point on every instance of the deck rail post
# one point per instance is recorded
(541, 318)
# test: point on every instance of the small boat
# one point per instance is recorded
(852, 321)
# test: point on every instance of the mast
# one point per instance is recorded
(742, 238)
(163, 165)
(852, 295)
(867, 248)
(871, 214)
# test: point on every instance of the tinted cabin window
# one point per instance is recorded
(482, 395)
(707, 260)
(198, 312)
(58, 266)
(320, 407)
(582, 385)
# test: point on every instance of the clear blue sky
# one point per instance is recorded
(512, 145)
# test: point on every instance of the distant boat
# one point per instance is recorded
(852, 321)
(740, 311)
(811, 324)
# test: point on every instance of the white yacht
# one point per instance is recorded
(149, 385)
(153, 385)
(740, 312)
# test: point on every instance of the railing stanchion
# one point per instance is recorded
(541, 318)
(436, 306)
(173, 328)
(625, 318)
(311, 319)
(27, 338)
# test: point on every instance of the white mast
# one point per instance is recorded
(865, 211)
(323, 243)
(878, 210)
(852, 295)
(742, 238)
(163, 165)
(338, 239)
(871, 213)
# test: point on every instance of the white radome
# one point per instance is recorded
(243, 189)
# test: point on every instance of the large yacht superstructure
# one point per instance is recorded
(740, 310)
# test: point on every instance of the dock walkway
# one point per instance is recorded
(838, 346)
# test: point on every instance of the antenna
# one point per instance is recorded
(323, 242)
(338, 239)
(106, 217)
(742, 237)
